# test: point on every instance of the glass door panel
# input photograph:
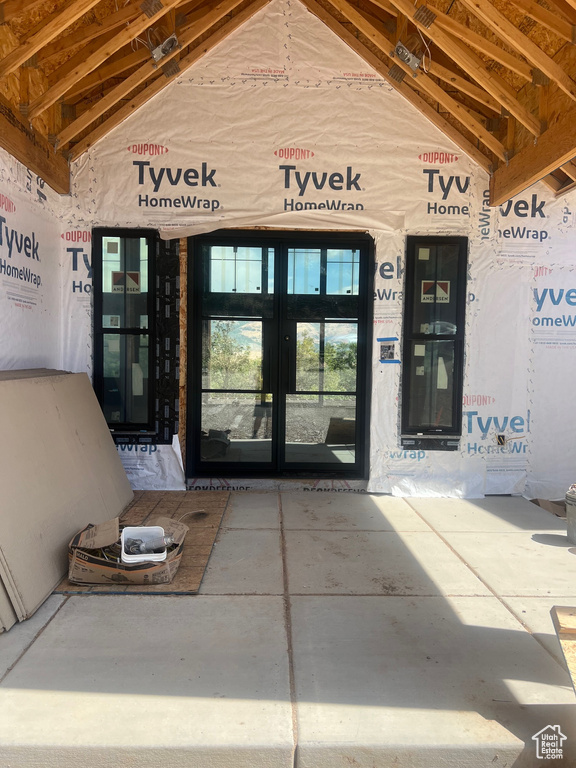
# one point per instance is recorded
(280, 327)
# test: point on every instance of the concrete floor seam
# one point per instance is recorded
(488, 587)
(288, 625)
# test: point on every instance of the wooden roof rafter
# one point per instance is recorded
(496, 76)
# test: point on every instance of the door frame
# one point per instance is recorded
(317, 238)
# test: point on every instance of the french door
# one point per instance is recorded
(279, 375)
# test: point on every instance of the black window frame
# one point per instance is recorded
(144, 432)
(441, 437)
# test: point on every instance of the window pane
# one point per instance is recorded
(236, 427)
(342, 272)
(321, 428)
(431, 389)
(232, 354)
(125, 376)
(241, 269)
(304, 270)
(124, 282)
(326, 357)
(435, 289)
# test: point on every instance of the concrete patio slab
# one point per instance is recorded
(14, 643)
(421, 681)
(244, 562)
(142, 681)
(377, 563)
(252, 509)
(493, 514)
(534, 612)
(519, 564)
(347, 511)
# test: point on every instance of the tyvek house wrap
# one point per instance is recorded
(235, 141)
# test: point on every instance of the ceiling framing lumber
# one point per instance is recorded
(551, 21)
(555, 147)
(423, 83)
(32, 150)
(90, 32)
(421, 105)
(159, 84)
(50, 29)
(497, 77)
(495, 20)
(131, 31)
(475, 67)
(145, 72)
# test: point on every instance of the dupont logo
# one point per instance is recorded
(438, 158)
(6, 204)
(293, 153)
(77, 237)
(147, 149)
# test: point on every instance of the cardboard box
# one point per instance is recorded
(88, 566)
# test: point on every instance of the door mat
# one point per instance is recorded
(202, 511)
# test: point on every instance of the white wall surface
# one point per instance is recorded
(284, 126)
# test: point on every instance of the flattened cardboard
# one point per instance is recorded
(88, 567)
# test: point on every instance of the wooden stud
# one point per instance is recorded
(555, 147)
(32, 150)
(145, 72)
(127, 34)
(12, 8)
(51, 28)
(161, 82)
(89, 32)
(422, 106)
(479, 43)
(546, 18)
(496, 21)
(474, 66)
(463, 85)
(423, 82)
(107, 71)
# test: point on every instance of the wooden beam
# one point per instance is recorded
(423, 82)
(107, 71)
(546, 18)
(159, 84)
(12, 8)
(131, 31)
(463, 85)
(52, 26)
(510, 34)
(378, 65)
(555, 147)
(564, 8)
(89, 32)
(473, 66)
(145, 72)
(479, 43)
(32, 150)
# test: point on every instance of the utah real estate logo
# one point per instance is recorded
(549, 743)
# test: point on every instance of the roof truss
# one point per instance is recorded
(496, 76)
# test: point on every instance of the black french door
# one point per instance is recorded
(279, 375)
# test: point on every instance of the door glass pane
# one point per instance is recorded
(321, 429)
(304, 270)
(326, 357)
(431, 390)
(232, 354)
(241, 269)
(125, 369)
(342, 272)
(124, 282)
(435, 289)
(236, 427)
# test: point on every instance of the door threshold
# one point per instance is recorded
(335, 485)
